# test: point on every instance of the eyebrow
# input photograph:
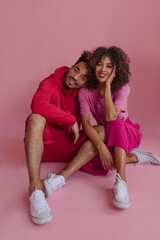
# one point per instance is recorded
(100, 61)
(85, 75)
(79, 70)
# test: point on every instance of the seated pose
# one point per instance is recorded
(105, 96)
(52, 133)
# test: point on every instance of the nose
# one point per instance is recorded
(76, 76)
(103, 68)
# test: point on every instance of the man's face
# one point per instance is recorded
(76, 77)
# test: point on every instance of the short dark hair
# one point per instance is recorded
(85, 57)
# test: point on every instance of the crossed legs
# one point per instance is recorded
(34, 150)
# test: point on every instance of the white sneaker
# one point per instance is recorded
(40, 211)
(52, 183)
(121, 199)
(145, 157)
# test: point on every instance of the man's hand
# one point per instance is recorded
(75, 130)
(106, 157)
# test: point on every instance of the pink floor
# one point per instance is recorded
(83, 208)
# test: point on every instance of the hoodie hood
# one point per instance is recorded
(58, 75)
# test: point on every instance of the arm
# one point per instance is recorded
(111, 111)
(105, 155)
(41, 104)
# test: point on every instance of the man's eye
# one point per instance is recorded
(75, 69)
(83, 78)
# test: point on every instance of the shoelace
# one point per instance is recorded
(58, 182)
(122, 191)
(39, 202)
(141, 160)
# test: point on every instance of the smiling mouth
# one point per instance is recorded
(102, 75)
(72, 82)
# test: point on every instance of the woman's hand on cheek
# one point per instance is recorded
(111, 76)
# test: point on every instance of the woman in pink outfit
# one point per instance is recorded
(106, 98)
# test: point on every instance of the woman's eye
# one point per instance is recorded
(99, 64)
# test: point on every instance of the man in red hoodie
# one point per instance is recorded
(52, 134)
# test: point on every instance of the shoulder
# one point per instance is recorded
(48, 82)
(86, 91)
(124, 90)
(126, 87)
(85, 94)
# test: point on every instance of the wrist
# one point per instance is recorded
(99, 145)
(108, 85)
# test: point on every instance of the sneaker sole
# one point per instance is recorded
(121, 205)
(149, 154)
(42, 220)
(48, 189)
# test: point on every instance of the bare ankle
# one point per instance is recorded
(35, 185)
(122, 175)
(64, 174)
(132, 158)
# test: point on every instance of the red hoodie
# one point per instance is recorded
(54, 102)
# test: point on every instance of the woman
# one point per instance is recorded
(106, 99)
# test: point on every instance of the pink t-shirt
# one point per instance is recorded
(91, 102)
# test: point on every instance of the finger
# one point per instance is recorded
(114, 71)
(109, 165)
(103, 164)
(76, 138)
(111, 161)
(106, 165)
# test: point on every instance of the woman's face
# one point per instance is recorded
(103, 69)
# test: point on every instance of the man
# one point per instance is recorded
(52, 131)
(52, 134)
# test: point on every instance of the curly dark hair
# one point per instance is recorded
(118, 59)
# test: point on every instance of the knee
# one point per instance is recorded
(101, 130)
(116, 126)
(116, 123)
(36, 122)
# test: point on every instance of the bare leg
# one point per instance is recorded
(131, 158)
(120, 158)
(84, 155)
(89, 151)
(34, 149)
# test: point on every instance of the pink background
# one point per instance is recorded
(37, 36)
